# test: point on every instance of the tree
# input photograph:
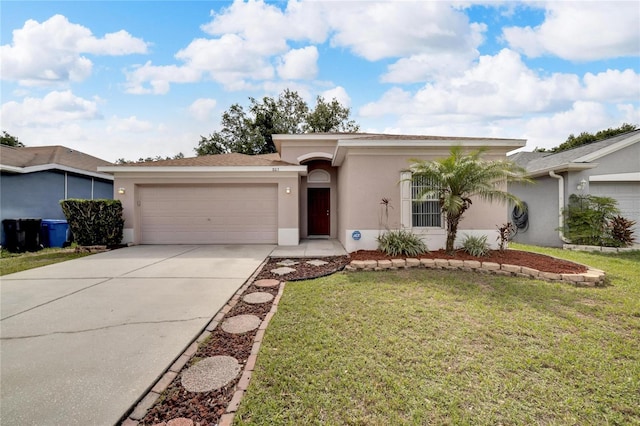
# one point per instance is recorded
(329, 117)
(251, 132)
(9, 140)
(586, 138)
(454, 180)
(150, 159)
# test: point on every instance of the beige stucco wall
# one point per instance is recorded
(288, 210)
(368, 175)
(292, 151)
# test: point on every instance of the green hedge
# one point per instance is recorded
(94, 222)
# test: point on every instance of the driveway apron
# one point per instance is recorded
(80, 341)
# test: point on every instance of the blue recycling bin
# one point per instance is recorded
(54, 232)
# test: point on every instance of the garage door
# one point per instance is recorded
(220, 214)
(627, 194)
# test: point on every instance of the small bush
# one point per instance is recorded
(504, 234)
(476, 245)
(621, 232)
(401, 243)
(94, 222)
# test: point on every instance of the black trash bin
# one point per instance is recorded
(31, 229)
(12, 240)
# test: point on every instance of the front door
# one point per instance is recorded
(318, 211)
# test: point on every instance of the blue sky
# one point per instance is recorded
(131, 79)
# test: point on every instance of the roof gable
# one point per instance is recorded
(582, 155)
(38, 158)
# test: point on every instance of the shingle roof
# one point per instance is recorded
(220, 160)
(533, 162)
(43, 155)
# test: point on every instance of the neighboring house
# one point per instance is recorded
(34, 179)
(607, 168)
(315, 186)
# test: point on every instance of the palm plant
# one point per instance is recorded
(461, 176)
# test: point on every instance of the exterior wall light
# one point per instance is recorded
(581, 185)
(287, 190)
(121, 191)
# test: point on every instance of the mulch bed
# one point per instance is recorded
(537, 261)
(304, 271)
(206, 408)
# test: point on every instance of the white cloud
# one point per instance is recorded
(202, 109)
(299, 64)
(429, 39)
(613, 86)
(338, 93)
(159, 78)
(130, 124)
(53, 109)
(52, 51)
(581, 31)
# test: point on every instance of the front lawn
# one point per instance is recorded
(16, 262)
(442, 347)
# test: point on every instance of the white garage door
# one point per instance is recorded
(218, 214)
(626, 193)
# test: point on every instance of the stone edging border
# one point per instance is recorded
(592, 278)
(141, 408)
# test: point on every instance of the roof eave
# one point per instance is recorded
(46, 167)
(199, 169)
(567, 167)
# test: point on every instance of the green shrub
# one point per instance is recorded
(476, 245)
(587, 219)
(401, 243)
(94, 222)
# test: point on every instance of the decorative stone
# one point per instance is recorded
(358, 264)
(258, 297)
(284, 270)
(428, 263)
(473, 264)
(490, 266)
(572, 277)
(511, 268)
(317, 262)
(455, 263)
(241, 324)
(384, 264)
(210, 374)
(398, 263)
(370, 264)
(180, 421)
(591, 277)
(550, 276)
(287, 262)
(267, 283)
(530, 271)
(412, 263)
(442, 263)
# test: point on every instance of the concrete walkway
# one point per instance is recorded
(82, 340)
(311, 248)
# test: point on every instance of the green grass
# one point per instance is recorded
(441, 347)
(16, 262)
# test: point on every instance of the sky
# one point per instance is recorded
(136, 79)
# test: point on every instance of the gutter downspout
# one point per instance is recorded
(560, 206)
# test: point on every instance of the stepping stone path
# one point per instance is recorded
(267, 283)
(258, 297)
(241, 324)
(210, 374)
(317, 262)
(287, 262)
(284, 270)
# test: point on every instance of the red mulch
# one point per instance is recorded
(537, 261)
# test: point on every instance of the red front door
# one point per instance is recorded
(318, 211)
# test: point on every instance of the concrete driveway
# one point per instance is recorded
(83, 339)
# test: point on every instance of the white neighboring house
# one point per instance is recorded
(610, 167)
